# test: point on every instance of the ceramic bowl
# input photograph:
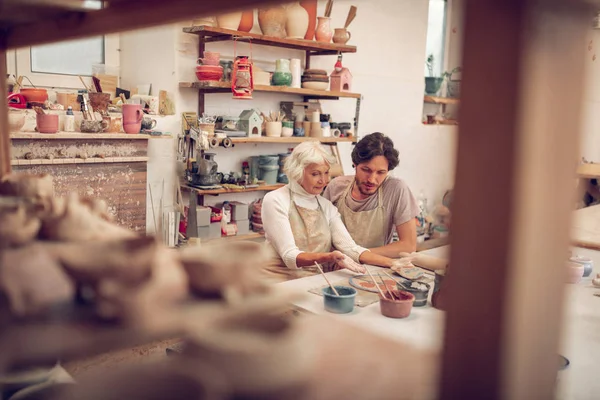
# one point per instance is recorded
(420, 295)
(396, 308)
(574, 272)
(209, 72)
(34, 95)
(16, 120)
(342, 304)
(315, 85)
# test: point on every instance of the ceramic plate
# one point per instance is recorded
(412, 273)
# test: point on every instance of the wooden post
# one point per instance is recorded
(519, 122)
(4, 132)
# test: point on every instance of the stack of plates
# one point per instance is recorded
(316, 79)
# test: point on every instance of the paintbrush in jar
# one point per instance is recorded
(325, 276)
(392, 297)
(376, 285)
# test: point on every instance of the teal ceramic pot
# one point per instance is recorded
(342, 304)
(299, 132)
(433, 84)
(282, 75)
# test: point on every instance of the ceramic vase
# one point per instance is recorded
(297, 21)
(247, 21)
(296, 69)
(311, 8)
(282, 75)
(229, 20)
(324, 32)
(272, 21)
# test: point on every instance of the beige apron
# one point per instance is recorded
(311, 234)
(367, 228)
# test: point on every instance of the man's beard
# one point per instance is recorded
(362, 190)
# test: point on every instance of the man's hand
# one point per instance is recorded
(343, 261)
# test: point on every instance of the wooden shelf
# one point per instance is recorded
(589, 171)
(261, 188)
(440, 100)
(224, 87)
(213, 34)
(264, 139)
(79, 136)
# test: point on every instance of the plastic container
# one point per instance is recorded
(69, 125)
(268, 173)
(342, 304)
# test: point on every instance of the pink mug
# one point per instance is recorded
(210, 58)
(132, 118)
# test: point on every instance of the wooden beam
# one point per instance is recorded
(117, 17)
(510, 227)
(4, 133)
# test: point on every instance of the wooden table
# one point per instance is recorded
(585, 231)
(424, 328)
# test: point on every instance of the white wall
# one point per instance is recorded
(590, 124)
(387, 69)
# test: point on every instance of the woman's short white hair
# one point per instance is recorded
(304, 154)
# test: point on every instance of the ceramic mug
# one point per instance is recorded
(148, 123)
(341, 36)
(132, 118)
(114, 124)
(90, 126)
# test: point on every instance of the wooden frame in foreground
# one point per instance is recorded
(521, 95)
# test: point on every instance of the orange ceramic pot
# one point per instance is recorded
(247, 21)
(47, 123)
(311, 7)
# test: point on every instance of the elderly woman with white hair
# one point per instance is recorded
(303, 228)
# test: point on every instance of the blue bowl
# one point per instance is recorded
(342, 304)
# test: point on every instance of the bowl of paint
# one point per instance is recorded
(342, 303)
(399, 306)
(418, 289)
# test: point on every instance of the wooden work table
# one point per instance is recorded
(424, 328)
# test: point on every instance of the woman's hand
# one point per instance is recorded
(343, 261)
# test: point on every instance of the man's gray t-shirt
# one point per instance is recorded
(399, 204)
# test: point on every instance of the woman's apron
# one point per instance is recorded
(311, 234)
(367, 228)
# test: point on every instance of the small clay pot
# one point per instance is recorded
(399, 307)
(574, 272)
(47, 123)
(588, 264)
(342, 304)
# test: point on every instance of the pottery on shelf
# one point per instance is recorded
(574, 272)
(272, 21)
(588, 264)
(311, 8)
(324, 32)
(433, 84)
(282, 75)
(47, 123)
(296, 70)
(230, 20)
(341, 36)
(297, 21)
(16, 120)
(247, 21)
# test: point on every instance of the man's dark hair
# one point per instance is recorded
(373, 145)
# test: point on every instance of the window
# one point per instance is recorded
(436, 38)
(60, 64)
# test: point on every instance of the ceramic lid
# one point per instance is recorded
(581, 259)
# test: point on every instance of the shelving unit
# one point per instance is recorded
(310, 48)
(215, 192)
(443, 101)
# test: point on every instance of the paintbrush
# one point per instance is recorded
(376, 285)
(387, 288)
(328, 8)
(351, 16)
(325, 276)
